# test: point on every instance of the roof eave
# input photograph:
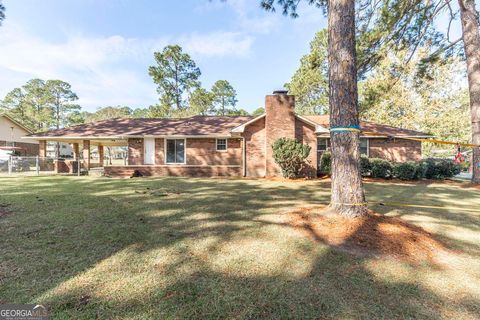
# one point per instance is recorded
(123, 137)
(16, 122)
(390, 136)
(241, 128)
(318, 127)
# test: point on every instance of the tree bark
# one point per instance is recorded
(471, 42)
(177, 89)
(347, 198)
(57, 145)
(223, 106)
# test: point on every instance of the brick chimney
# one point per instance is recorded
(279, 123)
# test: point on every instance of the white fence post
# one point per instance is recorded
(37, 165)
(10, 165)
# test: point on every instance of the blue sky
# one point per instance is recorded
(104, 47)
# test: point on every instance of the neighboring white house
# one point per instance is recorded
(66, 150)
(11, 133)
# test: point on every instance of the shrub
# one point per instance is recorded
(365, 166)
(439, 168)
(381, 168)
(464, 166)
(290, 156)
(456, 169)
(407, 170)
(326, 163)
(325, 167)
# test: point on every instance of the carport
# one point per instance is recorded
(82, 152)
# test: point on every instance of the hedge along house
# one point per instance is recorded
(222, 145)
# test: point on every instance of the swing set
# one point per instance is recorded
(459, 158)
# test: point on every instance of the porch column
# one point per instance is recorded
(42, 148)
(86, 154)
(76, 152)
(100, 155)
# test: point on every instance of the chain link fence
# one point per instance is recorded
(30, 166)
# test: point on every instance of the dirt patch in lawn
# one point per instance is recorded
(374, 234)
(4, 210)
(282, 179)
(158, 192)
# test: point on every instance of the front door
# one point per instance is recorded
(149, 150)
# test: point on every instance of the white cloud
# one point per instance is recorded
(97, 68)
(102, 70)
(112, 69)
(217, 44)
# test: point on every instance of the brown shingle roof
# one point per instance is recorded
(193, 126)
(380, 129)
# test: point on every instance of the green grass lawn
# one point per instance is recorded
(212, 248)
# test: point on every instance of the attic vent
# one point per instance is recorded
(281, 91)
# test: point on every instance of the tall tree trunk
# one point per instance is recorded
(471, 42)
(57, 145)
(177, 89)
(347, 197)
(223, 106)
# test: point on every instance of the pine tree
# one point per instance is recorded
(347, 196)
(175, 74)
(309, 84)
(224, 98)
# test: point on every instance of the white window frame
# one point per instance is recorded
(368, 147)
(327, 144)
(184, 151)
(216, 145)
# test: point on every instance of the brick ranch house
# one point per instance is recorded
(222, 145)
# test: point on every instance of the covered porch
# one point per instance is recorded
(87, 154)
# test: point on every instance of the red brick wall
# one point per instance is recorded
(203, 152)
(159, 151)
(397, 150)
(28, 149)
(66, 166)
(305, 134)
(255, 148)
(174, 170)
(199, 151)
(135, 151)
(258, 149)
(279, 123)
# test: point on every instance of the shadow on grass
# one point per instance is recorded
(336, 287)
(455, 197)
(84, 234)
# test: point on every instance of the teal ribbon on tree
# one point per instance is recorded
(353, 128)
